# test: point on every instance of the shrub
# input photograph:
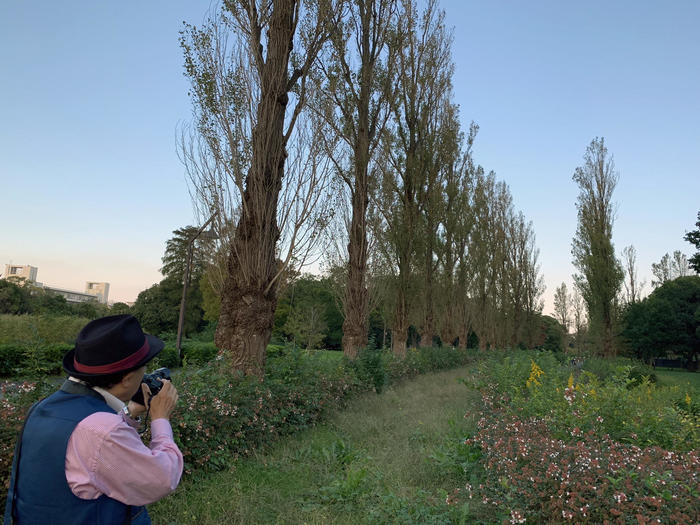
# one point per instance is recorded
(32, 359)
(276, 350)
(558, 443)
(591, 479)
(197, 353)
(11, 358)
(370, 368)
(168, 358)
(618, 399)
(606, 368)
(15, 399)
(221, 416)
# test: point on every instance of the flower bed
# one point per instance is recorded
(588, 479)
(556, 443)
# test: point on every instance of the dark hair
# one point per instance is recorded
(105, 381)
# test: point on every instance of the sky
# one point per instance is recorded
(92, 95)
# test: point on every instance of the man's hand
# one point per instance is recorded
(164, 402)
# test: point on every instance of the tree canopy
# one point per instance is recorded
(666, 322)
(693, 237)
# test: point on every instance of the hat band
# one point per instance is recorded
(124, 364)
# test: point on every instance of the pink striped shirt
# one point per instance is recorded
(105, 455)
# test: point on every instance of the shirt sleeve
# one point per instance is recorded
(106, 456)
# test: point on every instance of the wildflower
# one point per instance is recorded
(687, 399)
(516, 517)
(620, 497)
(570, 395)
(535, 373)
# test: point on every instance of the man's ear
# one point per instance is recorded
(130, 376)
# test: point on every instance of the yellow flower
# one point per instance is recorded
(687, 399)
(535, 373)
(571, 381)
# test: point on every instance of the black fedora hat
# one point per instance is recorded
(109, 345)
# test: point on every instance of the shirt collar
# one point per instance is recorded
(112, 401)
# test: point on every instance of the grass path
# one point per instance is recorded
(377, 461)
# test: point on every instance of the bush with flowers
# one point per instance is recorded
(15, 399)
(559, 443)
(221, 417)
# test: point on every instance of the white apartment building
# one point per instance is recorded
(21, 272)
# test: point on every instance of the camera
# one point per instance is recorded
(152, 380)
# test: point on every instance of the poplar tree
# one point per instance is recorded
(633, 287)
(600, 273)
(356, 84)
(562, 306)
(424, 76)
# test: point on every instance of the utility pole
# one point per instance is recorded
(183, 302)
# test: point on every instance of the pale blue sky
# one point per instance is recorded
(91, 94)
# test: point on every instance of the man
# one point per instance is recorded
(79, 458)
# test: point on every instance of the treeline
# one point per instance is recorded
(331, 127)
(20, 297)
(308, 315)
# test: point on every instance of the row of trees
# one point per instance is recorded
(370, 158)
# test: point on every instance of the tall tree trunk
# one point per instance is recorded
(399, 329)
(426, 336)
(250, 292)
(356, 296)
(463, 338)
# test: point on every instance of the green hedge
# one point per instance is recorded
(36, 359)
(32, 360)
(199, 353)
(222, 416)
(193, 352)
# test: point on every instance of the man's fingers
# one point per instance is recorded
(146, 394)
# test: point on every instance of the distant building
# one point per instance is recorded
(94, 291)
(71, 295)
(21, 272)
(99, 290)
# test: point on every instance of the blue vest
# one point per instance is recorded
(38, 488)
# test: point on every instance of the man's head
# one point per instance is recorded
(112, 352)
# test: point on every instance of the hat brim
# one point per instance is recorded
(155, 345)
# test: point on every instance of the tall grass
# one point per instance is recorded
(377, 461)
(40, 329)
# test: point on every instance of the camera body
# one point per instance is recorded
(152, 380)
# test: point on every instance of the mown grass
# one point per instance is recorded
(374, 462)
(679, 378)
